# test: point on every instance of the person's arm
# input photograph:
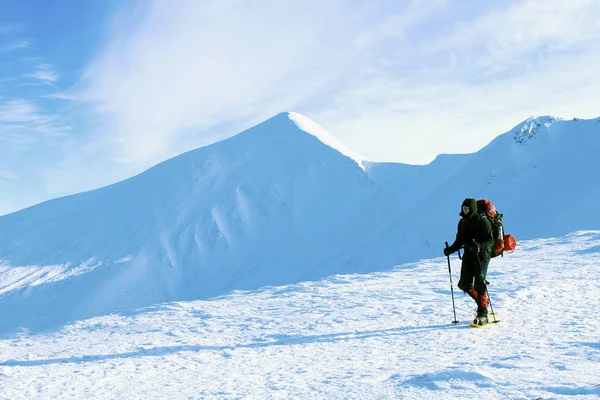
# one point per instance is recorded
(458, 242)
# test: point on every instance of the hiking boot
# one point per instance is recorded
(481, 319)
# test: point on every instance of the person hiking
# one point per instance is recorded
(475, 236)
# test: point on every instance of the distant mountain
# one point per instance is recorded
(280, 203)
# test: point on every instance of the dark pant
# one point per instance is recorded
(472, 276)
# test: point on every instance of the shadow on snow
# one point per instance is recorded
(268, 341)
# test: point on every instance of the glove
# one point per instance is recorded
(474, 247)
(447, 251)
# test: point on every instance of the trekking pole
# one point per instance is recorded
(491, 306)
(451, 288)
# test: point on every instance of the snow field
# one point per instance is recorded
(378, 335)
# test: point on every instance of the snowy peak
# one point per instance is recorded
(287, 131)
(531, 128)
(316, 130)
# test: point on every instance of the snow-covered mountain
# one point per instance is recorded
(279, 203)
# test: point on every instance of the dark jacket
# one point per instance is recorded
(473, 227)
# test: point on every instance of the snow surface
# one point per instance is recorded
(382, 335)
(280, 203)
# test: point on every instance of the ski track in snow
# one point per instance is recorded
(380, 335)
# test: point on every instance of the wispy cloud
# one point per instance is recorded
(63, 96)
(22, 122)
(464, 81)
(18, 44)
(376, 75)
(34, 129)
(30, 140)
(18, 110)
(189, 65)
(508, 34)
(394, 80)
(44, 73)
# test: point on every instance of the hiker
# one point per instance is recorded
(475, 236)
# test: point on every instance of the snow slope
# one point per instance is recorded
(384, 335)
(282, 202)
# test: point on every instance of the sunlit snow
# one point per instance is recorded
(384, 335)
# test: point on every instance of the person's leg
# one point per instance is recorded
(467, 273)
(481, 287)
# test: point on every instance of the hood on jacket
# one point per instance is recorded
(472, 204)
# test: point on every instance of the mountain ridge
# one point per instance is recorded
(274, 205)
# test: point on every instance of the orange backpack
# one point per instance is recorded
(502, 242)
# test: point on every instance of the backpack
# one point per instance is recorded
(502, 242)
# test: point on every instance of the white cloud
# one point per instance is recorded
(23, 122)
(189, 65)
(461, 85)
(44, 73)
(399, 81)
(62, 96)
(506, 35)
(18, 110)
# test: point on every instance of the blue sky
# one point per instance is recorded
(44, 47)
(92, 92)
